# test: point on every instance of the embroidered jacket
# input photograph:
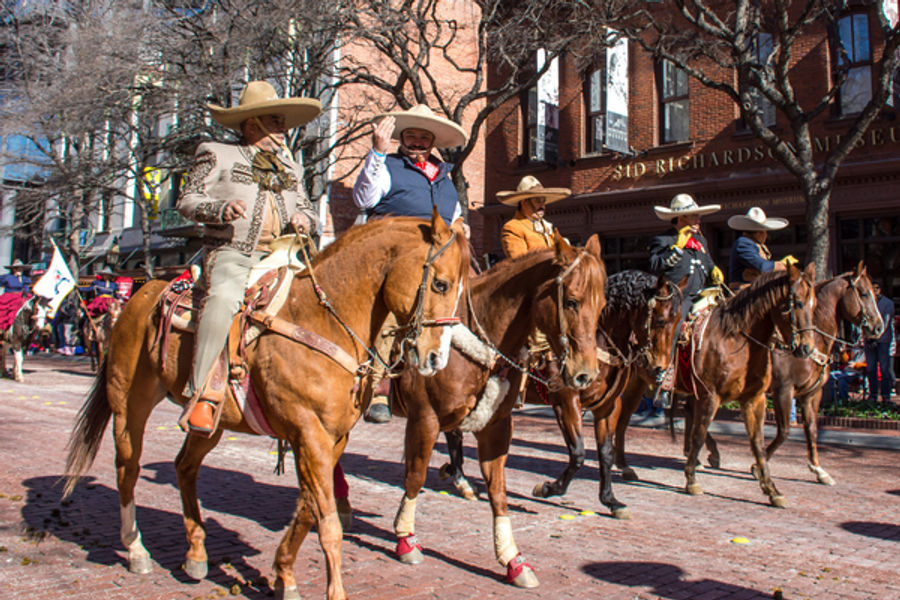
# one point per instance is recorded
(222, 173)
(675, 263)
(519, 235)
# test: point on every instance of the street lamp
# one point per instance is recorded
(112, 255)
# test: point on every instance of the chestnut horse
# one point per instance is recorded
(558, 291)
(636, 330)
(731, 360)
(401, 265)
(850, 297)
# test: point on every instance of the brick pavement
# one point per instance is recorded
(829, 544)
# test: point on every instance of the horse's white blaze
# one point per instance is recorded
(405, 521)
(447, 335)
(504, 545)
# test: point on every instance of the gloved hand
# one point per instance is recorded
(684, 234)
(789, 260)
(716, 276)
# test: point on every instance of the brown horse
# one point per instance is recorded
(850, 297)
(400, 265)
(637, 330)
(95, 331)
(731, 360)
(560, 292)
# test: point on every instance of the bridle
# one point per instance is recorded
(560, 311)
(864, 319)
(643, 353)
(417, 322)
(792, 305)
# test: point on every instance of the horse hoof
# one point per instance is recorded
(538, 491)
(140, 565)
(622, 513)
(520, 574)
(409, 551)
(444, 471)
(283, 593)
(826, 479)
(195, 569)
(778, 501)
(628, 474)
(694, 489)
(467, 492)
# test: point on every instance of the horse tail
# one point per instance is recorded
(88, 433)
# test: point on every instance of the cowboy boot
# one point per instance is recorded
(379, 410)
(202, 420)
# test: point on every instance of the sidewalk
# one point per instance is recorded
(831, 543)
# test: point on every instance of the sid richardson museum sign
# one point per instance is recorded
(742, 155)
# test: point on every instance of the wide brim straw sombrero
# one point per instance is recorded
(529, 187)
(259, 98)
(447, 134)
(684, 204)
(756, 220)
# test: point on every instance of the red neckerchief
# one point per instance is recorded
(430, 169)
(693, 244)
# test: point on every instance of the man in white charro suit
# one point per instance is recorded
(245, 194)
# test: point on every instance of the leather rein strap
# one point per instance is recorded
(307, 338)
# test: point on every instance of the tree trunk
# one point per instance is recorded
(462, 190)
(818, 240)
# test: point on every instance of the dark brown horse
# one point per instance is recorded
(731, 360)
(409, 267)
(558, 291)
(850, 297)
(95, 331)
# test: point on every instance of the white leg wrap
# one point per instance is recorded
(405, 521)
(18, 359)
(131, 537)
(504, 545)
(818, 470)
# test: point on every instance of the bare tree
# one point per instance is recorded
(422, 54)
(748, 50)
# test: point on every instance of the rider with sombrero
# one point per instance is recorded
(682, 251)
(103, 288)
(528, 230)
(749, 256)
(16, 285)
(246, 194)
(681, 254)
(407, 183)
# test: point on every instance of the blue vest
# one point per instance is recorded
(11, 283)
(412, 195)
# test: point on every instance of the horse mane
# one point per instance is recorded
(750, 303)
(631, 289)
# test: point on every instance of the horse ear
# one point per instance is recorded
(564, 252)
(662, 285)
(683, 283)
(860, 269)
(440, 233)
(593, 246)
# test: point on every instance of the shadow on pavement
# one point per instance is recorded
(883, 531)
(666, 581)
(89, 518)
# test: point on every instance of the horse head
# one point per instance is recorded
(423, 291)
(660, 326)
(796, 320)
(858, 303)
(566, 309)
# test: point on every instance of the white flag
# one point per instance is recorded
(56, 282)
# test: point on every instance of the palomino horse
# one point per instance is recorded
(31, 318)
(850, 297)
(637, 330)
(559, 292)
(730, 360)
(96, 330)
(309, 398)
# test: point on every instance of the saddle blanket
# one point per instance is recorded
(248, 402)
(10, 303)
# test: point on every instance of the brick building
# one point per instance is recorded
(684, 137)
